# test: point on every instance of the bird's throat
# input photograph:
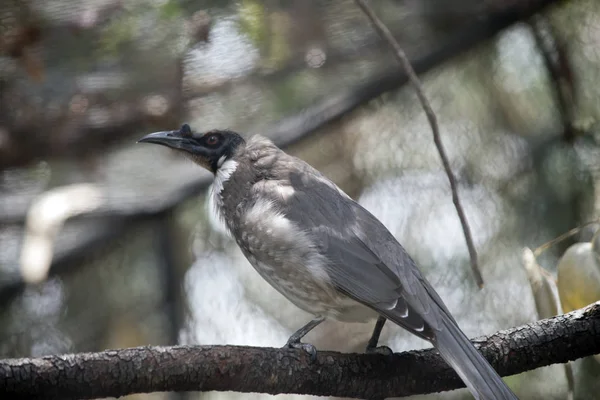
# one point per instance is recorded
(216, 192)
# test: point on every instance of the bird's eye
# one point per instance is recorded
(212, 140)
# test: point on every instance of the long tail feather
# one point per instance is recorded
(479, 376)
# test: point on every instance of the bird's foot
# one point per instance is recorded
(307, 347)
(383, 350)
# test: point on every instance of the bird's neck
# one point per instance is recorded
(223, 175)
(231, 188)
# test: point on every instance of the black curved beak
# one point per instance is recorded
(172, 139)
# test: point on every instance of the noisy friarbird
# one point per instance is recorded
(322, 250)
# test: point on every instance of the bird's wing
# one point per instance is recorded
(366, 261)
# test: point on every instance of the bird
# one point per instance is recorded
(322, 250)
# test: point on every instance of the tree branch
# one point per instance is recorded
(250, 369)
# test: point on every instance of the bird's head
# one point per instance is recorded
(209, 150)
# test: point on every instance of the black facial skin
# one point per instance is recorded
(216, 144)
(204, 149)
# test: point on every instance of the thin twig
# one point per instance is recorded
(385, 33)
(562, 237)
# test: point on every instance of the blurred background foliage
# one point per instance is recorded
(107, 244)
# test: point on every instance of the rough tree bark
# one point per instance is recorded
(250, 369)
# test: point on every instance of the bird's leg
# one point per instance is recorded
(294, 340)
(372, 345)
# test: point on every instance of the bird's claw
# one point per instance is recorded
(307, 347)
(383, 350)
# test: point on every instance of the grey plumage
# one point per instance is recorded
(331, 257)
